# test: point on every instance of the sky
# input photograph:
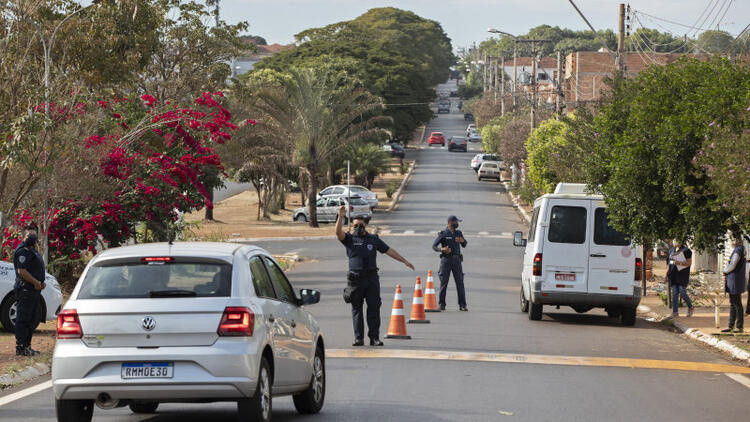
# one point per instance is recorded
(466, 21)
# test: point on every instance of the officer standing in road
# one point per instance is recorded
(362, 248)
(29, 268)
(449, 243)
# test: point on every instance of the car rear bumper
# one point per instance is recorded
(225, 370)
(597, 300)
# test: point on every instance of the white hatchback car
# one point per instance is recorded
(187, 322)
(48, 307)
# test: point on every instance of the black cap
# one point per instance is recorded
(453, 218)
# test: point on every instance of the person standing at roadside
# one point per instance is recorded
(449, 243)
(678, 275)
(735, 284)
(362, 248)
(29, 268)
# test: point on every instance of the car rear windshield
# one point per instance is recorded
(567, 224)
(157, 279)
(604, 234)
(490, 165)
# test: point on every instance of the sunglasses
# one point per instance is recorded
(357, 226)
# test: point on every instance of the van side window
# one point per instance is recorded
(604, 234)
(261, 281)
(532, 229)
(567, 224)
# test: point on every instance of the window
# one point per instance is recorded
(604, 234)
(567, 225)
(333, 202)
(338, 191)
(542, 77)
(532, 229)
(326, 191)
(261, 281)
(320, 203)
(142, 280)
(358, 201)
(281, 285)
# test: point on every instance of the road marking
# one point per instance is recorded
(507, 234)
(408, 232)
(384, 232)
(484, 233)
(740, 379)
(537, 359)
(25, 393)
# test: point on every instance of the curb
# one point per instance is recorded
(516, 203)
(399, 192)
(268, 239)
(27, 374)
(698, 335)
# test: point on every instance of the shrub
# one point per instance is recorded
(391, 188)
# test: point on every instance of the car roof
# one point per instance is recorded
(189, 249)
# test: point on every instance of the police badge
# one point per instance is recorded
(369, 247)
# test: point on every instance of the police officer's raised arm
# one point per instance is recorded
(340, 234)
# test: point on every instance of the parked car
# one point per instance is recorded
(489, 170)
(436, 138)
(397, 150)
(328, 209)
(468, 117)
(474, 136)
(470, 127)
(48, 307)
(356, 190)
(186, 322)
(573, 257)
(457, 143)
(444, 107)
(479, 158)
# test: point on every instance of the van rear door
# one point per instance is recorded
(611, 258)
(565, 255)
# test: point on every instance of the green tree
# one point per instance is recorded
(716, 42)
(552, 158)
(368, 161)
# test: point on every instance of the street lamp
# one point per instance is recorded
(497, 31)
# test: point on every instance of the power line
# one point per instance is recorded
(708, 15)
(722, 16)
(702, 13)
(670, 21)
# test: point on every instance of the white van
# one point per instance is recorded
(574, 258)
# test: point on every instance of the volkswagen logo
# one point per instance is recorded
(148, 323)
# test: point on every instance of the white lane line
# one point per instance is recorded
(740, 379)
(385, 232)
(484, 233)
(507, 234)
(25, 393)
(408, 231)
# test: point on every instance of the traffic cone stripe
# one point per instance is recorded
(419, 300)
(397, 312)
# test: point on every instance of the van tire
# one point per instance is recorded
(524, 302)
(535, 311)
(628, 317)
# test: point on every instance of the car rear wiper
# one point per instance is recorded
(171, 293)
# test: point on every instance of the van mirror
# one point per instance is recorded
(518, 239)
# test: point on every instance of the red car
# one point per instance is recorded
(436, 138)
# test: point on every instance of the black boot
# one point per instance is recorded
(375, 342)
(358, 342)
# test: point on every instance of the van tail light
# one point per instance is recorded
(537, 266)
(68, 325)
(638, 269)
(236, 321)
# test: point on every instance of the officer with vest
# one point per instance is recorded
(449, 243)
(735, 283)
(362, 248)
(29, 268)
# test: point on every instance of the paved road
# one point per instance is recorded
(397, 389)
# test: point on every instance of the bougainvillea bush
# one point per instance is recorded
(152, 162)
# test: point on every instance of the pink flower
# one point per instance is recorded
(117, 115)
(250, 122)
(149, 100)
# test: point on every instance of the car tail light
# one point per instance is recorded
(68, 325)
(236, 321)
(537, 266)
(638, 269)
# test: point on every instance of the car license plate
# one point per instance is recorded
(565, 277)
(147, 370)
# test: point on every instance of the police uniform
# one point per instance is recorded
(451, 263)
(29, 259)
(362, 253)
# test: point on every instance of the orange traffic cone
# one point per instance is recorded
(397, 327)
(417, 305)
(430, 301)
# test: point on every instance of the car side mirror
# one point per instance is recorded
(518, 239)
(309, 296)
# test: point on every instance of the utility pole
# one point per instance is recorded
(558, 98)
(621, 41)
(502, 86)
(484, 72)
(533, 85)
(496, 84)
(515, 77)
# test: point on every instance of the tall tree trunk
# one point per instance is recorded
(331, 174)
(256, 183)
(302, 187)
(210, 211)
(312, 191)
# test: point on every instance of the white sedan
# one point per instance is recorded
(186, 322)
(48, 307)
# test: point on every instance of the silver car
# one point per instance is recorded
(356, 190)
(328, 209)
(188, 322)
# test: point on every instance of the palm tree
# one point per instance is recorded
(368, 161)
(320, 111)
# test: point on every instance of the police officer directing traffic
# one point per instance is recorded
(362, 248)
(29, 268)
(449, 243)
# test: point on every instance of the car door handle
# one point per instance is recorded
(598, 255)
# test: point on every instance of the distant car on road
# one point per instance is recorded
(479, 158)
(457, 143)
(468, 117)
(186, 322)
(395, 150)
(436, 138)
(49, 305)
(328, 209)
(474, 136)
(356, 190)
(489, 170)
(573, 257)
(444, 107)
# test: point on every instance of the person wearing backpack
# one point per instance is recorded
(735, 283)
